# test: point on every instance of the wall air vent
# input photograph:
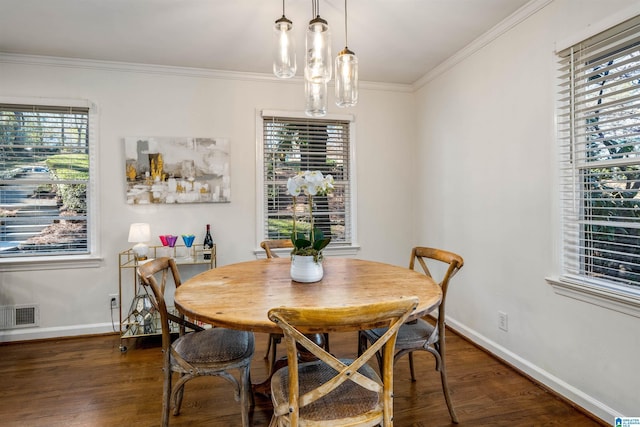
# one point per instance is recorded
(19, 316)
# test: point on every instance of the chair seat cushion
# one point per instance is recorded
(349, 399)
(413, 332)
(215, 345)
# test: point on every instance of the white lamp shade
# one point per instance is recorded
(139, 232)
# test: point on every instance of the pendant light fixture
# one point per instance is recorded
(346, 72)
(318, 48)
(316, 98)
(284, 55)
(317, 69)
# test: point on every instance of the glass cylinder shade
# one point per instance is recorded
(284, 54)
(346, 79)
(316, 98)
(318, 47)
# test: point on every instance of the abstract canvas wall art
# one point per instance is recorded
(177, 170)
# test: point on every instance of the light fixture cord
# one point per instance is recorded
(283, 8)
(346, 42)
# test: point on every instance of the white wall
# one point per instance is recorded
(486, 150)
(466, 163)
(155, 101)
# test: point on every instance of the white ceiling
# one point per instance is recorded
(396, 41)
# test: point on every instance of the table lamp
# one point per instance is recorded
(139, 233)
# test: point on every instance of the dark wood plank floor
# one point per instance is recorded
(88, 382)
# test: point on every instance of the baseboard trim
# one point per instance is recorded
(582, 401)
(29, 334)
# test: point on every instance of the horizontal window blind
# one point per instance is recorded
(44, 172)
(599, 146)
(292, 145)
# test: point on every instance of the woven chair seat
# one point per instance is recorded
(411, 335)
(346, 401)
(216, 346)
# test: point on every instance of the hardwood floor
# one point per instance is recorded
(87, 381)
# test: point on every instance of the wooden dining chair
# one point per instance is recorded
(330, 391)
(275, 339)
(212, 352)
(267, 245)
(421, 334)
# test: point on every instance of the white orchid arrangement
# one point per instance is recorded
(309, 183)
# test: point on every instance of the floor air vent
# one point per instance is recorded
(19, 316)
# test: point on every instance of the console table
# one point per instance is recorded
(139, 317)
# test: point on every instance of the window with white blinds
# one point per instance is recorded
(599, 146)
(291, 145)
(44, 176)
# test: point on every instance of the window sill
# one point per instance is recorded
(50, 263)
(341, 251)
(613, 298)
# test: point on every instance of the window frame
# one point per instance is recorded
(349, 249)
(92, 259)
(621, 298)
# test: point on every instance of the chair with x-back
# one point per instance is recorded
(421, 334)
(213, 352)
(330, 391)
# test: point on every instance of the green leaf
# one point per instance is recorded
(297, 236)
(321, 244)
(302, 243)
(294, 238)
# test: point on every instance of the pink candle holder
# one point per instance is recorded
(164, 240)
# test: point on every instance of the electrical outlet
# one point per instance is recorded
(113, 300)
(503, 321)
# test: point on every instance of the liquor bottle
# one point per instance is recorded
(208, 243)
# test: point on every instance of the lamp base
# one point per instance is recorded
(140, 251)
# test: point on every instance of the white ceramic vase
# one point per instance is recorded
(305, 270)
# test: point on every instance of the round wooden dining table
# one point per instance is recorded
(239, 296)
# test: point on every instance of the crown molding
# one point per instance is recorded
(507, 24)
(514, 19)
(129, 67)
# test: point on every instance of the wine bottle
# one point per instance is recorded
(208, 243)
